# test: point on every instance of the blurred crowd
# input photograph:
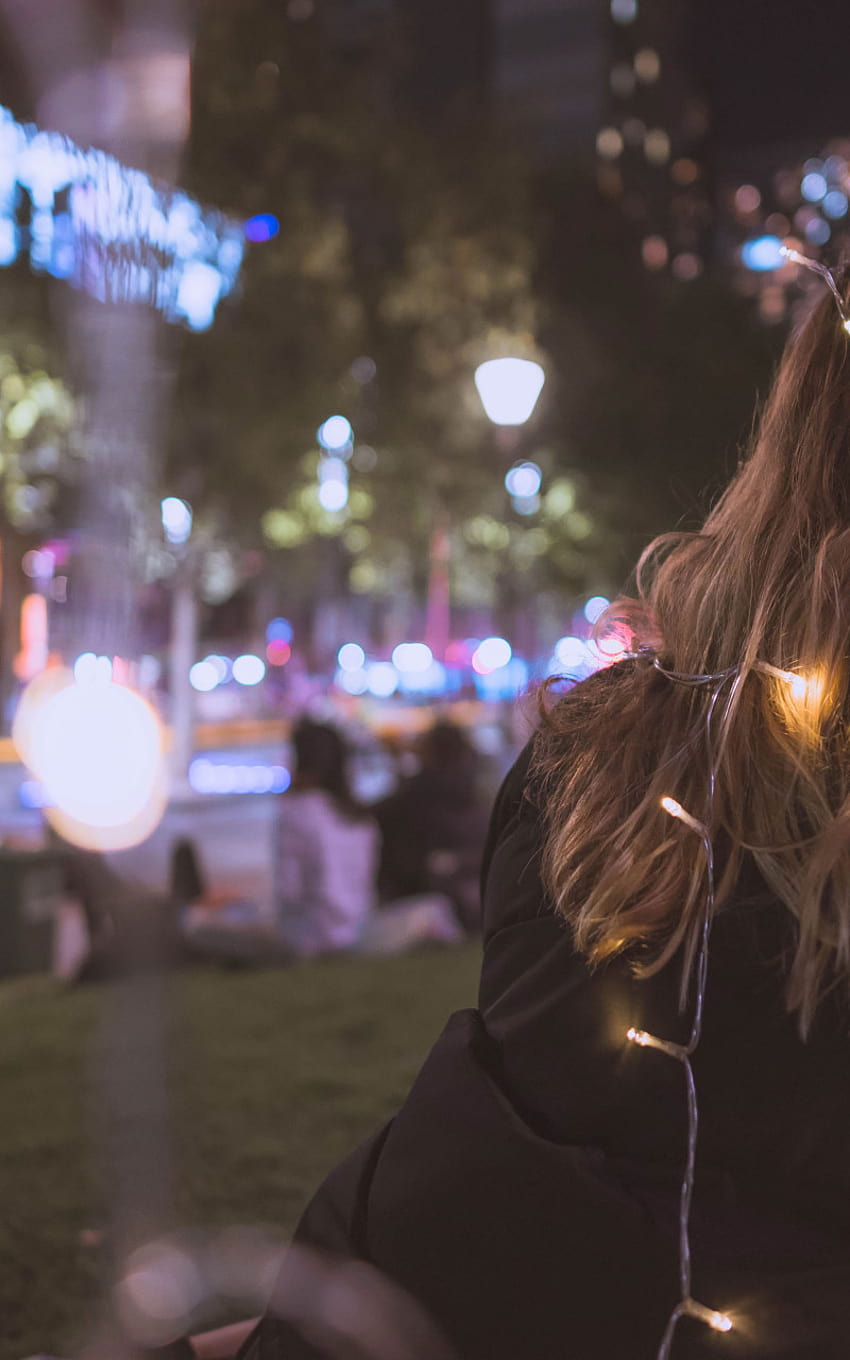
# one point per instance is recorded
(348, 877)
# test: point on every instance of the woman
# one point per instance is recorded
(533, 1193)
(434, 825)
(326, 849)
(326, 856)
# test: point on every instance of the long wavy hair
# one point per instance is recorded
(763, 587)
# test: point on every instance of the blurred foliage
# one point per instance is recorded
(411, 249)
(38, 459)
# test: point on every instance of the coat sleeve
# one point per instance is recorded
(333, 1225)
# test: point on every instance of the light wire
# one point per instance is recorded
(822, 272)
(688, 1306)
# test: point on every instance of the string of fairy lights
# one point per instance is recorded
(687, 1305)
(804, 691)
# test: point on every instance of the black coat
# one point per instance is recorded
(527, 1192)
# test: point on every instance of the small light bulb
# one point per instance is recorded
(798, 686)
(720, 1322)
(670, 805)
(638, 1036)
(846, 325)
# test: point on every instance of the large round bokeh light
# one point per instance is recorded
(97, 748)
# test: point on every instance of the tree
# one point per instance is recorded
(408, 252)
(39, 470)
(402, 262)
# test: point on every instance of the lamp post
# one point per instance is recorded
(177, 528)
(509, 389)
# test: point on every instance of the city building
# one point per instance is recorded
(723, 135)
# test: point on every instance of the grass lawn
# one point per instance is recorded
(272, 1076)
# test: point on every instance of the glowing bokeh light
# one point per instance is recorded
(433, 679)
(381, 679)
(97, 749)
(490, 655)
(157, 1293)
(176, 519)
(332, 470)
(220, 664)
(92, 670)
(203, 677)
(817, 231)
(814, 186)
(412, 657)
(354, 682)
(38, 564)
(747, 198)
(209, 776)
(762, 254)
(249, 669)
(647, 65)
(509, 389)
(351, 656)
(573, 654)
(835, 203)
(261, 227)
(279, 630)
(524, 480)
(596, 605)
(81, 204)
(333, 496)
(335, 433)
(609, 143)
(278, 652)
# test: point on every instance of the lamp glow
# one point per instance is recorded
(509, 389)
(97, 749)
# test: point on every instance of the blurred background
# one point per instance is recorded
(375, 199)
(350, 353)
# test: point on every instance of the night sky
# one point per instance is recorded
(774, 70)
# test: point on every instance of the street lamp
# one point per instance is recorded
(509, 389)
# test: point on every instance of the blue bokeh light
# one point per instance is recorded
(835, 203)
(762, 253)
(814, 186)
(68, 208)
(262, 227)
(279, 630)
